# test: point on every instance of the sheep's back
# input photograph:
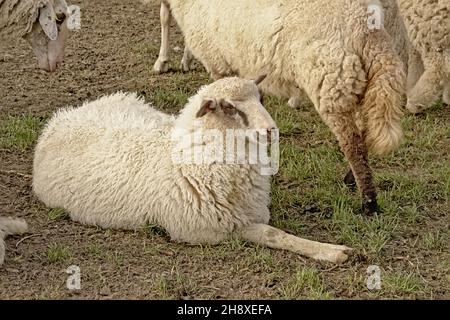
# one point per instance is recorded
(427, 23)
(95, 160)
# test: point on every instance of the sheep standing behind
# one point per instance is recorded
(43, 23)
(428, 27)
(8, 227)
(350, 72)
(110, 163)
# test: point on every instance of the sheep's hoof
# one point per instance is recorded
(349, 180)
(414, 107)
(370, 207)
(335, 253)
(294, 102)
(186, 66)
(161, 66)
(446, 97)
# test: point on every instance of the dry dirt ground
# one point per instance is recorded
(115, 50)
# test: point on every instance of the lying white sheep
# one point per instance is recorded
(428, 27)
(349, 71)
(43, 23)
(9, 226)
(111, 163)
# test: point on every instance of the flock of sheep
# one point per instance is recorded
(107, 163)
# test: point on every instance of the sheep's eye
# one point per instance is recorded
(229, 109)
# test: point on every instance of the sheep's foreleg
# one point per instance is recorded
(415, 69)
(277, 239)
(161, 64)
(428, 88)
(186, 61)
(446, 94)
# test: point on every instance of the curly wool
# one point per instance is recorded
(428, 27)
(18, 16)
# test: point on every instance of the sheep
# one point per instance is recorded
(43, 23)
(9, 226)
(427, 24)
(325, 50)
(111, 163)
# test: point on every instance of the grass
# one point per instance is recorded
(306, 283)
(402, 283)
(57, 214)
(20, 132)
(57, 253)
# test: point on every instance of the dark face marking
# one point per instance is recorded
(231, 110)
(244, 117)
(228, 108)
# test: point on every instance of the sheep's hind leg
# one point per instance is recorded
(277, 239)
(355, 150)
(161, 65)
(186, 61)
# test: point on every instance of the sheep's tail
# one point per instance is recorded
(384, 97)
(9, 227)
(277, 239)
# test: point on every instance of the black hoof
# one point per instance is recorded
(370, 207)
(349, 180)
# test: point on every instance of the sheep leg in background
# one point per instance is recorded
(428, 88)
(186, 61)
(161, 64)
(446, 93)
(355, 151)
(349, 180)
(277, 239)
(9, 227)
(415, 68)
(294, 102)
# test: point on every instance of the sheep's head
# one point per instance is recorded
(234, 103)
(49, 33)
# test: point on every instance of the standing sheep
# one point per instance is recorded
(111, 163)
(43, 23)
(9, 226)
(428, 27)
(325, 49)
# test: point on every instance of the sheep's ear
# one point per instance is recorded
(48, 22)
(208, 105)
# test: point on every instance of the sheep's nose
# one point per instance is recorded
(271, 130)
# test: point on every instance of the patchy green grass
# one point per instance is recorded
(57, 253)
(19, 132)
(402, 283)
(57, 214)
(305, 284)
